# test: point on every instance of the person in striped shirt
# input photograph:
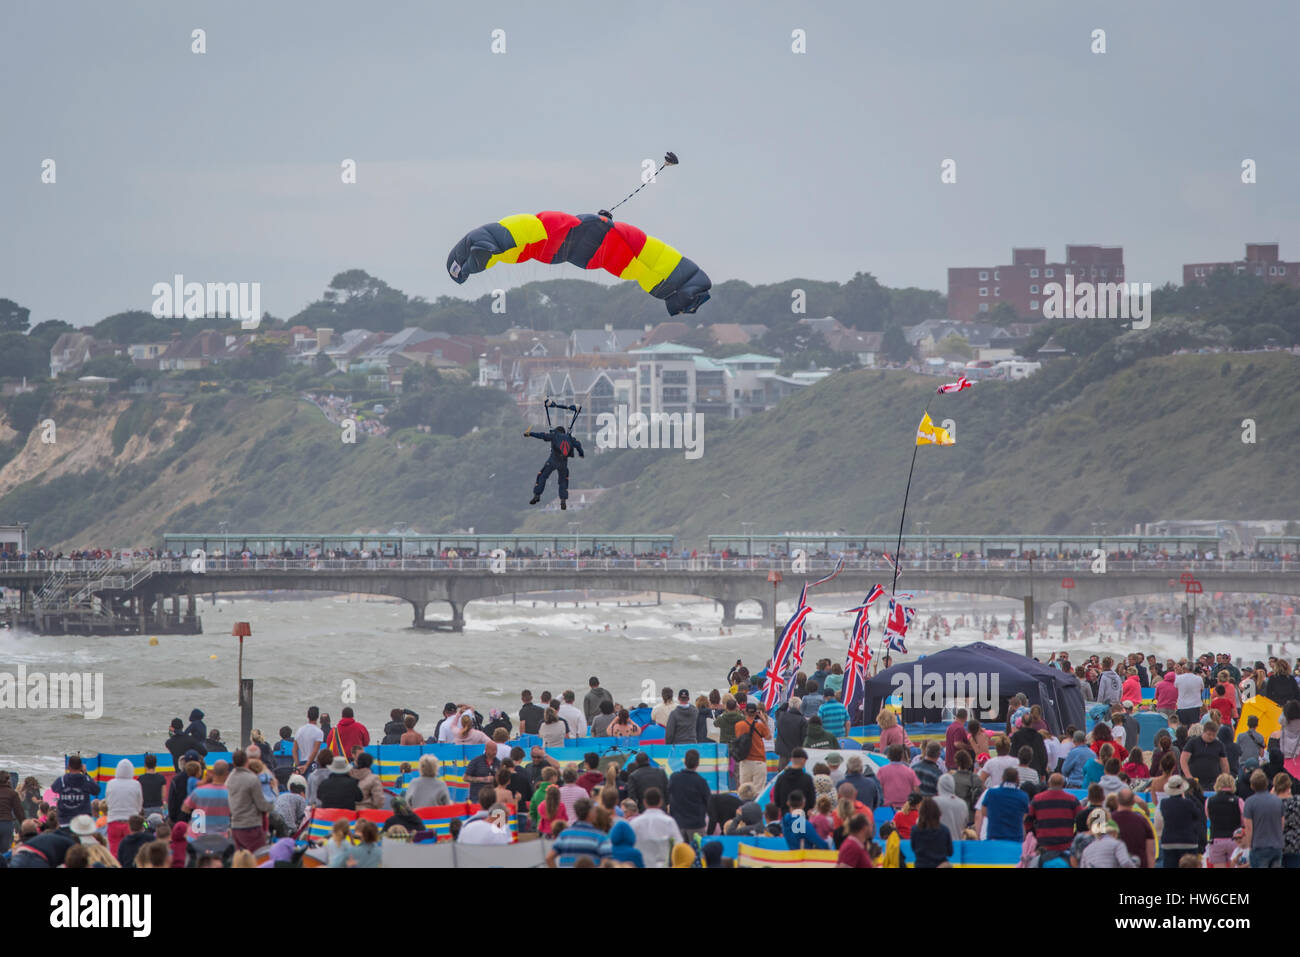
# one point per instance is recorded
(209, 806)
(835, 717)
(580, 839)
(1053, 813)
(928, 770)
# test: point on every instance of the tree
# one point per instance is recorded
(698, 338)
(135, 325)
(894, 345)
(265, 360)
(20, 356)
(47, 333)
(1003, 314)
(867, 304)
(120, 368)
(792, 339)
(954, 345)
(13, 317)
(418, 378)
(912, 306)
(453, 409)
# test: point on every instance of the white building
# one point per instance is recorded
(665, 378)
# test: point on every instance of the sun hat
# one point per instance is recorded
(83, 825)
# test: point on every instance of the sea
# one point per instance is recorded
(335, 650)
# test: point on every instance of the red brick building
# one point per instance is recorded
(975, 290)
(1261, 260)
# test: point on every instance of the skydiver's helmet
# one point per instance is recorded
(605, 214)
(560, 429)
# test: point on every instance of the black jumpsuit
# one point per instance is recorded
(563, 445)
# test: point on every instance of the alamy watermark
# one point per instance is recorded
(658, 430)
(1091, 300)
(131, 912)
(61, 691)
(976, 692)
(197, 300)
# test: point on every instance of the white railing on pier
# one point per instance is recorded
(964, 566)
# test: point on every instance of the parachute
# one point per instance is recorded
(590, 241)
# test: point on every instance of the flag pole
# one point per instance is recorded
(902, 520)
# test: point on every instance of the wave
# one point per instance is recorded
(190, 683)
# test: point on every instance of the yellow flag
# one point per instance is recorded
(927, 433)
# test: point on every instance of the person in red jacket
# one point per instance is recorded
(1222, 704)
(353, 733)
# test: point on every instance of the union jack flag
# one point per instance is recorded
(796, 650)
(896, 624)
(800, 636)
(859, 656)
(774, 684)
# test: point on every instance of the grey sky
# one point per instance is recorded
(225, 167)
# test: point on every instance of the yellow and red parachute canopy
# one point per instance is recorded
(590, 241)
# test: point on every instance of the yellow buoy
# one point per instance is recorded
(213, 657)
(153, 642)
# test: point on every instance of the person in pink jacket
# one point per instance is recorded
(891, 732)
(1132, 688)
(1166, 695)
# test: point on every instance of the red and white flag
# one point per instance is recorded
(962, 383)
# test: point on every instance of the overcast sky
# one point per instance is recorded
(226, 166)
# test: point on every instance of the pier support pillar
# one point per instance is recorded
(728, 611)
(419, 607)
(455, 623)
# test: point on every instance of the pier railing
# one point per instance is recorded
(63, 571)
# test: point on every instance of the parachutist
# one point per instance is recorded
(605, 213)
(563, 445)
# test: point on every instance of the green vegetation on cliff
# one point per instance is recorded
(1113, 438)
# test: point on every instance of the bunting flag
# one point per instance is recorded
(872, 596)
(839, 567)
(927, 433)
(961, 383)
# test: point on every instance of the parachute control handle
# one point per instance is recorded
(550, 404)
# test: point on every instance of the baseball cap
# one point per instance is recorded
(155, 821)
(683, 695)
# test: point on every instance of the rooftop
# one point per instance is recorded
(662, 348)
